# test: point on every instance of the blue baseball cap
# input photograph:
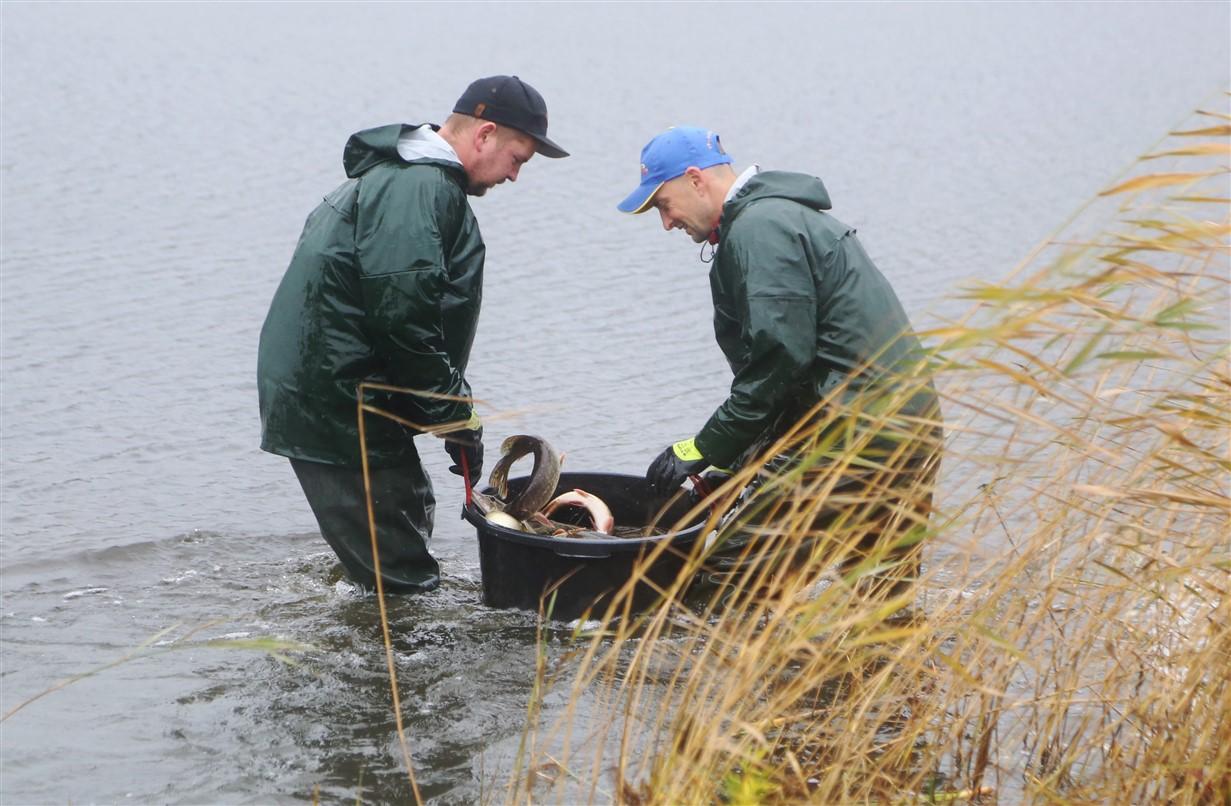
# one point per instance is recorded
(669, 155)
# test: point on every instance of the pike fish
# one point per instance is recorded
(544, 477)
(595, 507)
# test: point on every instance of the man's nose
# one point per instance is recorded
(667, 223)
(513, 173)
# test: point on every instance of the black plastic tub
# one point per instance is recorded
(518, 567)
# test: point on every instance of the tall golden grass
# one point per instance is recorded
(1069, 639)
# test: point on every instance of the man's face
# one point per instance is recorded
(499, 155)
(682, 205)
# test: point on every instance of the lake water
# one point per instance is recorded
(157, 163)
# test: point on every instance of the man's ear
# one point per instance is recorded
(696, 180)
(484, 135)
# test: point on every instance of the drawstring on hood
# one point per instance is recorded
(712, 242)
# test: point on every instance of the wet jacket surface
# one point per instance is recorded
(798, 306)
(385, 286)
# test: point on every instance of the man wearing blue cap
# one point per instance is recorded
(384, 287)
(799, 307)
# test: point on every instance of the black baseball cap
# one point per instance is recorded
(511, 102)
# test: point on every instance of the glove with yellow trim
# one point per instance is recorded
(673, 465)
(469, 443)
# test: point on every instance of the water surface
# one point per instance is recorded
(157, 163)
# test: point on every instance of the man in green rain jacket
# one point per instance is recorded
(384, 287)
(799, 307)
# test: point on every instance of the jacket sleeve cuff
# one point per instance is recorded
(717, 451)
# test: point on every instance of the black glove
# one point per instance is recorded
(673, 465)
(468, 443)
(709, 481)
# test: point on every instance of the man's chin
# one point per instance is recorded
(477, 190)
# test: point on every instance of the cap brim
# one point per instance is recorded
(639, 200)
(547, 148)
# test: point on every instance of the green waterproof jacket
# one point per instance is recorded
(384, 286)
(798, 307)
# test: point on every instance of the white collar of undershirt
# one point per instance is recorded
(741, 180)
(425, 143)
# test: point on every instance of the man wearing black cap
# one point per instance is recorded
(384, 287)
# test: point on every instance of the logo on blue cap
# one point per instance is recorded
(669, 155)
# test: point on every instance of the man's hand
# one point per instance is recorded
(468, 443)
(673, 465)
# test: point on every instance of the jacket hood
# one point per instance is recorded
(799, 188)
(371, 147)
